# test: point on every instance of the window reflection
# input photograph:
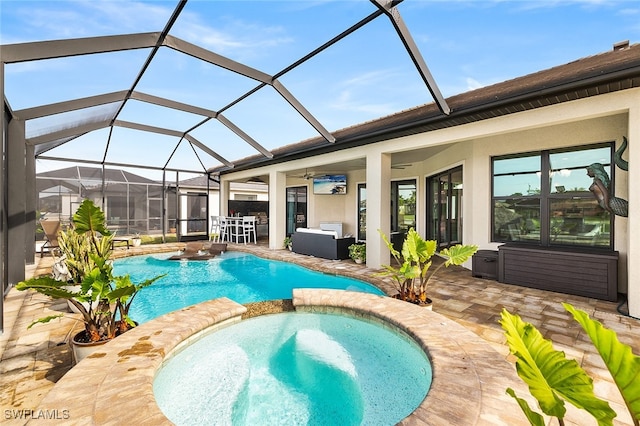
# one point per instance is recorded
(557, 211)
(579, 221)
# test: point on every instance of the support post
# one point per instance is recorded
(16, 200)
(633, 229)
(277, 209)
(378, 207)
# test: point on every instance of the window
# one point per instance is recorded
(555, 211)
(403, 206)
(444, 207)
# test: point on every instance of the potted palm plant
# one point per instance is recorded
(102, 299)
(411, 278)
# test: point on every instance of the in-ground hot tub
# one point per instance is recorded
(296, 369)
(469, 376)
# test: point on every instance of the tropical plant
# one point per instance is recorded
(287, 242)
(102, 299)
(412, 277)
(554, 379)
(358, 252)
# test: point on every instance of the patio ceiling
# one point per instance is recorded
(121, 118)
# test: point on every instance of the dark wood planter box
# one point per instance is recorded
(583, 273)
(484, 264)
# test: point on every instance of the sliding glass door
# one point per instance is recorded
(296, 208)
(444, 207)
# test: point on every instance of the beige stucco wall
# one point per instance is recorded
(592, 120)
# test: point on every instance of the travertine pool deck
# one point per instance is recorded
(33, 360)
(467, 372)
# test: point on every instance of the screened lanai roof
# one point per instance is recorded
(177, 95)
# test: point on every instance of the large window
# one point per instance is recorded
(544, 198)
(444, 207)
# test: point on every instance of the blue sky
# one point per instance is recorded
(466, 44)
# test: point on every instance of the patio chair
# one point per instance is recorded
(51, 229)
(248, 228)
(218, 229)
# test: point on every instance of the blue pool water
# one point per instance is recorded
(295, 369)
(241, 277)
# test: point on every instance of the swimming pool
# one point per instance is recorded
(295, 369)
(241, 277)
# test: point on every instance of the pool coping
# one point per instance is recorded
(114, 385)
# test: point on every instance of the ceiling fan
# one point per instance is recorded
(401, 166)
(307, 175)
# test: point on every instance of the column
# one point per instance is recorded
(277, 209)
(378, 207)
(633, 249)
(16, 201)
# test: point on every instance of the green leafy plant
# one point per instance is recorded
(358, 252)
(102, 299)
(412, 277)
(287, 242)
(554, 379)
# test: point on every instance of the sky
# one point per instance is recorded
(466, 45)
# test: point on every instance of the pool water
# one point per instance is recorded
(242, 277)
(295, 369)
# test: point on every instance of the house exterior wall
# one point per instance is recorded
(602, 118)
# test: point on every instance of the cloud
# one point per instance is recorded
(346, 102)
(91, 18)
(473, 84)
(356, 93)
(234, 35)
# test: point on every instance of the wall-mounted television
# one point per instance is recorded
(330, 184)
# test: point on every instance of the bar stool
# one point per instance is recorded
(214, 231)
(234, 231)
(248, 228)
(221, 234)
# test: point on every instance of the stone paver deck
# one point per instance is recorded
(33, 360)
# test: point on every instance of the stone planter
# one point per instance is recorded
(82, 350)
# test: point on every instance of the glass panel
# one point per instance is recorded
(443, 209)
(433, 209)
(406, 214)
(362, 212)
(516, 176)
(517, 219)
(301, 208)
(456, 207)
(579, 221)
(296, 209)
(568, 169)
